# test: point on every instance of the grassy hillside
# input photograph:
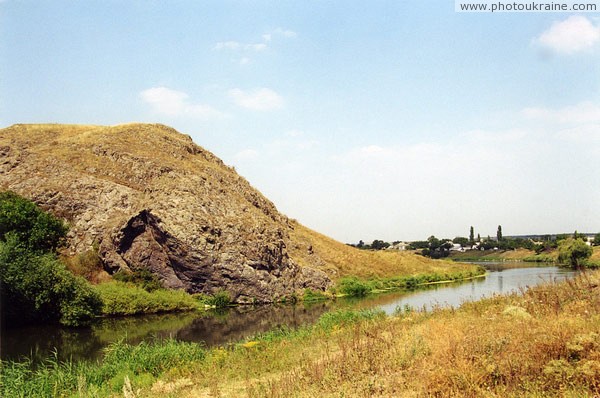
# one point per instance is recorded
(340, 260)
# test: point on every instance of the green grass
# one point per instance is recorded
(220, 299)
(140, 364)
(121, 298)
(360, 287)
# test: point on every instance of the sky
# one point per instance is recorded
(392, 120)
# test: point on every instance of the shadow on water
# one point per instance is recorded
(211, 328)
(236, 323)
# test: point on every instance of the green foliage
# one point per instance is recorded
(597, 239)
(354, 287)
(314, 295)
(38, 230)
(419, 244)
(36, 287)
(121, 298)
(379, 245)
(142, 278)
(376, 245)
(220, 299)
(573, 252)
(141, 364)
(461, 241)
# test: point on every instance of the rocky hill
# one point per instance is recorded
(147, 197)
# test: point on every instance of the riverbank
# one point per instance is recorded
(486, 348)
(521, 255)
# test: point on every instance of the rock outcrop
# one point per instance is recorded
(147, 197)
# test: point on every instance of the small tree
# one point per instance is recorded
(472, 235)
(35, 285)
(38, 230)
(499, 233)
(573, 252)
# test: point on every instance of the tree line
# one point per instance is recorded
(440, 247)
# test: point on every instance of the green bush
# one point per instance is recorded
(573, 252)
(220, 299)
(143, 278)
(36, 287)
(354, 287)
(38, 230)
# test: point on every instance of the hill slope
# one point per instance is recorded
(148, 197)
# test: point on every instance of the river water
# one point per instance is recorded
(233, 324)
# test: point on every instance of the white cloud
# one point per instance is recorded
(228, 45)
(170, 102)
(233, 45)
(256, 47)
(575, 34)
(262, 99)
(285, 33)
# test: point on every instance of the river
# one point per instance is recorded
(233, 324)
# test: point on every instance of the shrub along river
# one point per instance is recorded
(235, 323)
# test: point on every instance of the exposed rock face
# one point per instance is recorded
(151, 198)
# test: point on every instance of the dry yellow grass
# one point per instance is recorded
(544, 343)
(341, 260)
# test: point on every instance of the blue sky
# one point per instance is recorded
(388, 120)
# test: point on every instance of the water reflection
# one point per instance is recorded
(212, 328)
(242, 322)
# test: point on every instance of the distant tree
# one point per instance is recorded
(419, 244)
(472, 235)
(499, 233)
(478, 238)
(573, 252)
(597, 239)
(434, 242)
(379, 245)
(360, 244)
(462, 241)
